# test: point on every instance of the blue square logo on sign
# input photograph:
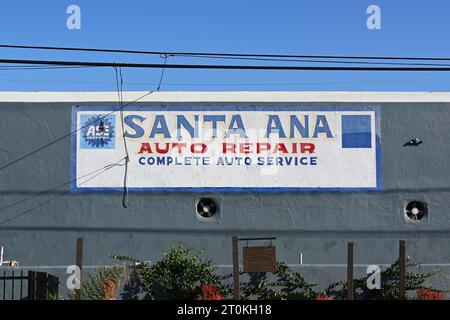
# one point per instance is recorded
(356, 131)
(98, 131)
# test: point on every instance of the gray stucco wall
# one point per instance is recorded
(316, 224)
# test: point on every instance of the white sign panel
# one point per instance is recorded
(222, 148)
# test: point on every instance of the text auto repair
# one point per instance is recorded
(137, 127)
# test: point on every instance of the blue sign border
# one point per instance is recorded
(264, 107)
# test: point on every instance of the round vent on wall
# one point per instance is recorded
(207, 207)
(416, 210)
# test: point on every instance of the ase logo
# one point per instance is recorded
(98, 131)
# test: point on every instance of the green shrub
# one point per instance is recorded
(390, 284)
(179, 275)
(286, 284)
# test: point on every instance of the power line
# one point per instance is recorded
(216, 66)
(315, 61)
(249, 58)
(45, 192)
(33, 67)
(104, 169)
(174, 53)
(70, 133)
(119, 83)
(120, 108)
(162, 73)
(229, 83)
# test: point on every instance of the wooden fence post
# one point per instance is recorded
(402, 265)
(236, 284)
(31, 285)
(79, 264)
(350, 271)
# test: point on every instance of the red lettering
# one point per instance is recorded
(228, 147)
(245, 148)
(294, 148)
(145, 148)
(307, 147)
(262, 147)
(179, 146)
(280, 147)
(194, 148)
(159, 150)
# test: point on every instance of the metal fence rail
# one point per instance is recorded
(33, 285)
(5, 279)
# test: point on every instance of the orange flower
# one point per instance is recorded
(429, 294)
(109, 289)
(209, 292)
(323, 297)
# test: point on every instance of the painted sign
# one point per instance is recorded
(237, 148)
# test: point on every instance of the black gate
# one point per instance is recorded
(16, 285)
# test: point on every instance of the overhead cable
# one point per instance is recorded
(218, 66)
(98, 172)
(69, 133)
(119, 83)
(57, 187)
(226, 54)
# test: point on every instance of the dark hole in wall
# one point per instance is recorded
(416, 210)
(207, 207)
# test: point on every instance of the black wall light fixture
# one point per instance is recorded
(413, 142)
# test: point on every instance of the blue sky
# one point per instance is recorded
(309, 27)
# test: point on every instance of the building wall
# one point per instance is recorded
(318, 225)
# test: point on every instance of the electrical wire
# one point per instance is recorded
(278, 60)
(230, 83)
(174, 53)
(42, 193)
(33, 67)
(121, 107)
(315, 61)
(162, 72)
(119, 83)
(9, 164)
(104, 169)
(220, 66)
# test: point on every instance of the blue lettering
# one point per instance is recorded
(274, 126)
(322, 127)
(303, 129)
(138, 131)
(160, 127)
(214, 119)
(236, 120)
(183, 122)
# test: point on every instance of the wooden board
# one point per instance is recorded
(260, 259)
